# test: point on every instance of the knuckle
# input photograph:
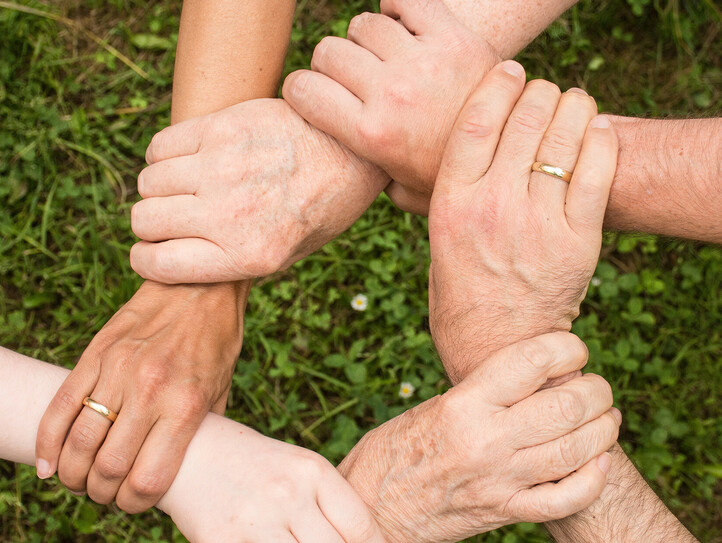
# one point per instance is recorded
(603, 387)
(373, 133)
(560, 139)
(84, 438)
(146, 485)
(528, 119)
(112, 466)
(568, 452)
(399, 94)
(536, 354)
(570, 407)
(474, 123)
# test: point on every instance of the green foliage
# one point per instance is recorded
(75, 123)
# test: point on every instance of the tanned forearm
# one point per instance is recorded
(229, 51)
(627, 510)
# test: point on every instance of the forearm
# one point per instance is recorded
(229, 51)
(669, 178)
(627, 510)
(508, 26)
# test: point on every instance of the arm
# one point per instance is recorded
(170, 349)
(324, 187)
(227, 471)
(668, 177)
(627, 510)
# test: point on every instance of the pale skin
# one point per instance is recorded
(154, 342)
(233, 485)
(493, 445)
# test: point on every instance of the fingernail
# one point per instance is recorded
(604, 461)
(577, 90)
(600, 121)
(43, 468)
(617, 415)
(514, 68)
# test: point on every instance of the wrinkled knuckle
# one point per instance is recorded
(84, 438)
(568, 453)
(321, 52)
(528, 119)
(559, 140)
(474, 123)
(536, 354)
(193, 404)
(570, 406)
(66, 401)
(111, 466)
(603, 387)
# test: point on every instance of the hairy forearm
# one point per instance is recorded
(669, 178)
(229, 51)
(508, 26)
(627, 510)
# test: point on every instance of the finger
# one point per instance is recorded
(347, 512)
(326, 104)
(407, 199)
(158, 462)
(560, 147)
(382, 35)
(61, 414)
(190, 260)
(474, 139)
(419, 16)
(557, 459)
(178, 140)
(313, 527)
(556, 381)
(524, 131)
(516, 372)
(115, 458)
(550, 501)
(170, 177)
(172, 217)
(554, 412)
(347, 63)
(588, 191)
(85, 439)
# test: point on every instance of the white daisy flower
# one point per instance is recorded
(596, 281)
(406, 390)
(360, 302)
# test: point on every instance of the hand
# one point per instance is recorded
(391, 92)
(512, 251)
(162, 362)
(490, 451)
(243, 193)
(236, 485)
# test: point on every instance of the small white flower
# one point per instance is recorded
(406, 390)
(360, 302)
(596, 281)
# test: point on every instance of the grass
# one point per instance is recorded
(83, 86)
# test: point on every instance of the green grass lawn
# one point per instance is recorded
(75, 118)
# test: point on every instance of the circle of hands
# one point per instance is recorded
(413, 96)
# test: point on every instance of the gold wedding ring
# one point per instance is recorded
(554, 171)
(100, 408)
